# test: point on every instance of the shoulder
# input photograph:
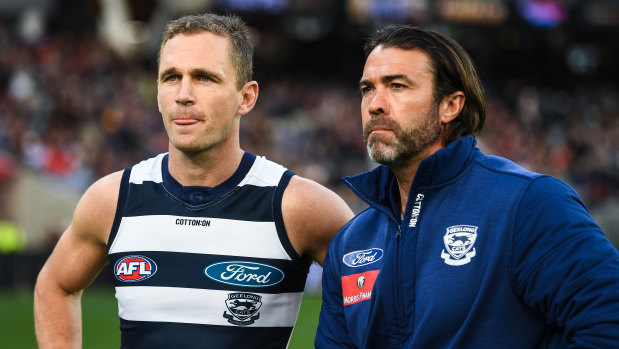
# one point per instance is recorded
(94, 214)
(367, 228)
(504, 166)
(307, 199)
(533, 190)
(146, 170)
(104, 190)
(313, 214)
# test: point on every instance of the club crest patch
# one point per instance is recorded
(459, 241)
(243, 308)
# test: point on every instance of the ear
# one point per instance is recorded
(249, 94)
(451, 106)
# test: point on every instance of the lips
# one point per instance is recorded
(373, 128)
(379, 128)
(186, 116)
(185, 121)
(379, 125)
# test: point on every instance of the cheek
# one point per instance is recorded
(365, 115)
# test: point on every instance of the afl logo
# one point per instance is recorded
(134, 268)
(361, 258)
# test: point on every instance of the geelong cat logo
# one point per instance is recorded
(134, 268)
(243, 308)
(361, 258)
(248, 274)
(459, 240)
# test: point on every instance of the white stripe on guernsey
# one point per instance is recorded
(147, 171)
(198, 306)
(221, 237)
(264, 173)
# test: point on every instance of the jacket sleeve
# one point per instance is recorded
(564, 267)
(332, 331)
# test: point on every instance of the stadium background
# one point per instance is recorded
(77, 101)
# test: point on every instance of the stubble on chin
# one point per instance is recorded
(407, 144)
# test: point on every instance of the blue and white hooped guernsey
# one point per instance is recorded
(199, 267)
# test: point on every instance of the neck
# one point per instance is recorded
(405, 174)
(207, 168)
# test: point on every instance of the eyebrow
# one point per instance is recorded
(169, 71)
(192, 72)
(387, 79)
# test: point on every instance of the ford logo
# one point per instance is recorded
(360, 258)
(248, 274)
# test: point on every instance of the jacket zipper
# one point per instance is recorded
(412, 207)
(397, 293)
(398, 298)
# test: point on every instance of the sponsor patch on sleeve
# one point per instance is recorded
(358, 287)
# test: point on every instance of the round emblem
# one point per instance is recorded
(361, 281)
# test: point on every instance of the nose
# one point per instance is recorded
(185, 93)
(379, 103)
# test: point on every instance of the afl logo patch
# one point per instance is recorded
(248, 274)
(360, 258)
(134, 268)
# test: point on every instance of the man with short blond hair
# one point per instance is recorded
(210, 244)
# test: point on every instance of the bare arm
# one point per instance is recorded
(312, 214)
(76, 260)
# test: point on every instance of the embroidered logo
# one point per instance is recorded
(243, 308)
(459, 240)
(360, 258)
(247, 274)
(134, 268)
(358, 287)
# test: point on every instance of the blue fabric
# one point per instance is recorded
(538, 271)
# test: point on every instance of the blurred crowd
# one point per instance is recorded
(71, 108)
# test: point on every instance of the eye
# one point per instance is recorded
(365, 90)
(204, 78)
(397, 86)
(170, 78)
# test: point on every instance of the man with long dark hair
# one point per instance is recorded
(457, 249)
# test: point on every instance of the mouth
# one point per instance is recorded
(377, 130)
(185, 121)
(380, 129)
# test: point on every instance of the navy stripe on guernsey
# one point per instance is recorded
(193, 275)
(201, 336)
(164, 238)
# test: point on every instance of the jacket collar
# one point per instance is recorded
(377, 186)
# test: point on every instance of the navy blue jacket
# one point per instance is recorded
(486, 255)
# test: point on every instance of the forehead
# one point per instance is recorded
(203, 49)
(392, 61)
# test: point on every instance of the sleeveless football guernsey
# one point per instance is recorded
(200, 267)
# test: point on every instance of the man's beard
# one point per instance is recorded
(408, 142)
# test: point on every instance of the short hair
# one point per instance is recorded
(230, 26)
(453, 71)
